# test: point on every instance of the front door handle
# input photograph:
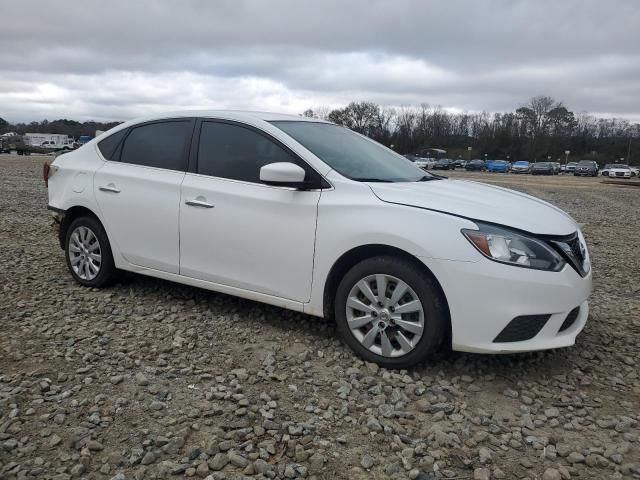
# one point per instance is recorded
(199, 202)
(109, 188)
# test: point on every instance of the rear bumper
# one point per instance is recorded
(484, 297)
(58, 217)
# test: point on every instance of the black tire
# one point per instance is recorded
(107, 272)
(436, 318)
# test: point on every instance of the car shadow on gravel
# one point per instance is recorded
(277, 321)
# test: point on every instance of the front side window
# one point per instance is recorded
(352, 155)
(235, 152)
(159, 145)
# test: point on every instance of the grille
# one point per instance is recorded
(571, 317)
(570, 249)
(619, 174)
(574, 245)
(522, 328)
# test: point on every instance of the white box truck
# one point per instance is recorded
(50, 141)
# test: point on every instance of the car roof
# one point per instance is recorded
(240, 115)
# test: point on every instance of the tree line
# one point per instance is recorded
(543, 128)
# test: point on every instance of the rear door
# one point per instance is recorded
(138, 191)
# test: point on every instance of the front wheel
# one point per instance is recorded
(390, 312)
(88, 253)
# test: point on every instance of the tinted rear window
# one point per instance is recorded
(109, 146)
(159, 145)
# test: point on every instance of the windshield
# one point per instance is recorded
(585, 163)
(352, 155)
(521, 164)
(542, 164)
(623, 167)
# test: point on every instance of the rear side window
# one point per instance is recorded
(109, 146)
(238, 153)
(160, 145)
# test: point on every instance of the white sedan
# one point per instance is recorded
(618, 171)
(313, 217)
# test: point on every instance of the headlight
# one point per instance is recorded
(506, 246)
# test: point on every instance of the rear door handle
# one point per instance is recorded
(199, 202)
(109, 188)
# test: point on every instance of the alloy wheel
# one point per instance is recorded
(385, 315)
(85, 254)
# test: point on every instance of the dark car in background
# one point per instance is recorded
(475, 166)
(459, 163)
(444, 164)
(586, 168)
(543, 168)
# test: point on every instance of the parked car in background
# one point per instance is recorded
(476, 165)
(501, 166)
(618, 171)
(444, 164)
(586, 168)
(570, 167)
(542, 168)
(521, 166)
(635, 171)
(418, 161)
(459, 163)
(304, 214)
(605, 171)
(556, 167)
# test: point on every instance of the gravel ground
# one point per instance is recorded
(149, 379)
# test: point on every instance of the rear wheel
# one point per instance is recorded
(88, 253)
(390, 312)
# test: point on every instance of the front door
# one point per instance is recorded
(237, 231)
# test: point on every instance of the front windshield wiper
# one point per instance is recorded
(427, 178)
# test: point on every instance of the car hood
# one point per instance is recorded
(621, 170)
(478, 201)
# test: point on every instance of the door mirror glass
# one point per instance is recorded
(283, 174)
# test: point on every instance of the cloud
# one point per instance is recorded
(117, 60)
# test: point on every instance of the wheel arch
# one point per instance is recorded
(70, 214)
(350, 258)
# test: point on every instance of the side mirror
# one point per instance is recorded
(283, 174)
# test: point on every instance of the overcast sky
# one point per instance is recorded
(114, 60)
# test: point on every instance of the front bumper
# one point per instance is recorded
(484, 297)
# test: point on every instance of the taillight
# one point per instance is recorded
(46, 168)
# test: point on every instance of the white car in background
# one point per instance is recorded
(310, 216)
(618, 171)
(418, 161)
